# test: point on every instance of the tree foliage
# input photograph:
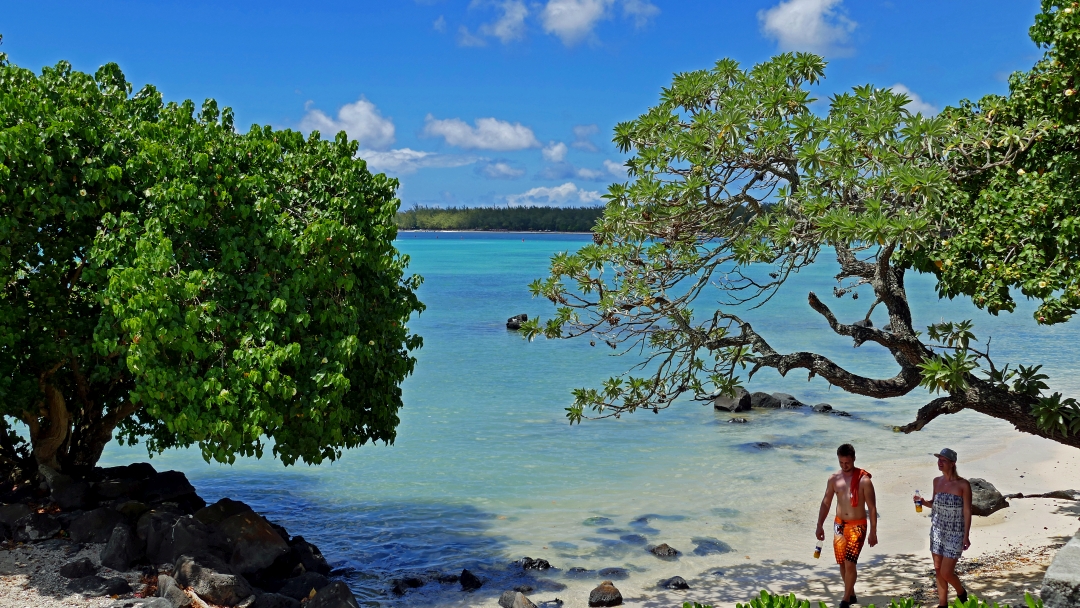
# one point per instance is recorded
(170, 279)
(552, 219)
(736, 183)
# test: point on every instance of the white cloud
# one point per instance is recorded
(467, 38)
(640, 11)
(582, 133)
(440, 24)
(511, 25)
(501, 170)
(554, 152)
(916, 105)
(361, 120)
(488, 134)
(615, 168)
(405, 160)
(567, 193)
(808, 25)
(573, 20)
(564, 170)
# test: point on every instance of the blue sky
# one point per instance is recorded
(507, 101)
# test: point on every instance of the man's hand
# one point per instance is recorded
(820, 533)
(872, 538)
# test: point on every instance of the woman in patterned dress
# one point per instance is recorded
(950, 524)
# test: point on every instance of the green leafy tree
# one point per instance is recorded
(736, 184)
(165, 278)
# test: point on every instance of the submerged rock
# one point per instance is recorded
(606, 594)
(528, 563)
(616, 574)
(710, 546)
(675, 582)
(822, 408)
(738, 421)
(787, 401)
(664, 550)
(469, 581)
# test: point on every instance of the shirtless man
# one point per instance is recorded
(855, 497)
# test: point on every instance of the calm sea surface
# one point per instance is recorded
(486, 470)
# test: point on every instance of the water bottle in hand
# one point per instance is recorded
(918, 502)
(817, 550)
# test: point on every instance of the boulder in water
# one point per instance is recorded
(469, 581)
(606, 594)
(664, 550)
(515, 321)
(739, 403)
(675, 582)
(764, 401)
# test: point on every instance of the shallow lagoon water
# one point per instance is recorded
(486, 469)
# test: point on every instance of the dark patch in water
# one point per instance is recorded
(615, 574)
(710, 546)
(579, 572)
(598, 521)
(615, 531)
(724, 512)
(634, 539)
(562, 545)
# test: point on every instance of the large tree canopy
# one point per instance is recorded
(736, 183)
(167, 278)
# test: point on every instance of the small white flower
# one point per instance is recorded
(82, 192)
(1020, 171)
(1069, 92)
(146, 192)
(1068, 10)
(371, 343)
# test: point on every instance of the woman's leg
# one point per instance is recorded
(947, 576)
(942, 586)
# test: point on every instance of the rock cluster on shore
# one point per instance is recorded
(224, 554)
(744, 401)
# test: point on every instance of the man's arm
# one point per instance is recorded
(867, 488)
(823, 511)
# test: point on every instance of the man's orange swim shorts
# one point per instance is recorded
(848, 538)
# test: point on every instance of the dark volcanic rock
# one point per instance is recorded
(221, 510)
(739, 403)
(155, 530)
(598, 521)
(401, 585)
(78, 568)
(137, 602)
(738, 421)
(165, 487)
(605, 595)
(275, 600)
(9, 514)
(190, 536)
(334, 595)
(310, 556)
(675, 582)
(787, 401)
(211, 579)
(528, 563)
(300, 587)
(763, 445)
(822, 408)
(633, 539)
(615, 574)
(515, 599)
(168, 589)
(764, 401)
(515, 321)
(35, 527)
(135, 471)
(254, 543)
(579, 572)
(70, 494)
(96, 585)
(123, 549)
(94, 526)
(710, 546)
(664, 550)
(985, 498)
(132, 510)
(469, 581)
(111, 489)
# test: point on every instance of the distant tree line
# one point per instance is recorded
(553, 219)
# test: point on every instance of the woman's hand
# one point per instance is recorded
(967, 543)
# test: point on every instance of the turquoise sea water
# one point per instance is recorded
(486, 469)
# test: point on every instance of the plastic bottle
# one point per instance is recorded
(817, 550)
(918, 502)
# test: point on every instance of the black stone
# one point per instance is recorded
(111, 489)
(764, 401)
(741, 402)
(300, 587)
(94, 526)
(275, 600)
(633, 539)
(9, 514)
(211, 579)
(528, 563)
(70, 494)
(123, 549)
(710, 546)
(96, 585)
(221, 510)
(738, 421)
(579, 572)
(155, 530)
(310, 556)
(168, 589)
(985, 498)
(334, 595)
(823, 408)
(448, 578)
(469, 581)
(787, 401)
(135, 471)
(167, 486)
(35, 527)
(78, 568)
(605, 595)
(664, 550)
(675, 582)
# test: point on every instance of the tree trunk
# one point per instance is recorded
(48, 436)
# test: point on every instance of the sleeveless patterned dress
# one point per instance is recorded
(947, 526)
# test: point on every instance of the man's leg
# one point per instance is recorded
(849, 573)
